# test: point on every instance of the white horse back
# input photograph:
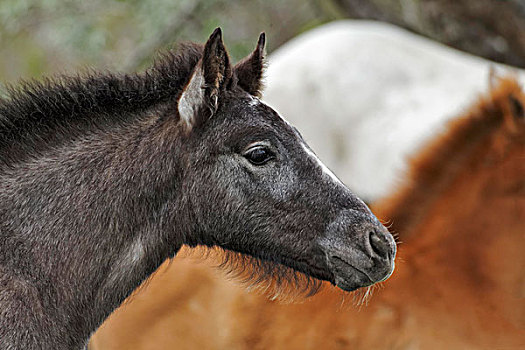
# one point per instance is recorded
(366, 95)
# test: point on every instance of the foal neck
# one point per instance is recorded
(92, 225)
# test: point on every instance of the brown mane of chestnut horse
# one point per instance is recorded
(459, 284)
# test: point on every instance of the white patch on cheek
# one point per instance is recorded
(321, 164)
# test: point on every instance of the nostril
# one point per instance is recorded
(379, 244)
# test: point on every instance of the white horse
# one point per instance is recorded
(366, 95)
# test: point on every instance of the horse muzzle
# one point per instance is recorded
(359, 253)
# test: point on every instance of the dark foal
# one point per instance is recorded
(104, 177)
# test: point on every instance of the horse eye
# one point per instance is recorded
(258, 155)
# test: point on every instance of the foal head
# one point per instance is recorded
(253, 186)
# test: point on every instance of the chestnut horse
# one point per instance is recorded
(461, 218)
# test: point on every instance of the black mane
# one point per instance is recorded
(38, 112)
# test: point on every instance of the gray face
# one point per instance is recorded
(258, 189)
(253, 186)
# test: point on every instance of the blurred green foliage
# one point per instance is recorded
(49, 36)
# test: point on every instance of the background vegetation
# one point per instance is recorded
(49, 36)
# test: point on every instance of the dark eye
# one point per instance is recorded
(258, 155)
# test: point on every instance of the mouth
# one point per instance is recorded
(340, 272)
(324, 267)
(347, 276)
(322, 273)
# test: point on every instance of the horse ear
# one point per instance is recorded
(200, 97)
(250, 70)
